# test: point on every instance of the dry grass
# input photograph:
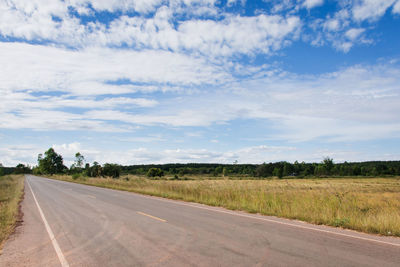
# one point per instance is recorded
(369, 205)
(11, 190)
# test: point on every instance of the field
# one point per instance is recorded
(369, 205)
(11, 189)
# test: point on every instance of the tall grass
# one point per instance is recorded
(370, 205)
(11, 190)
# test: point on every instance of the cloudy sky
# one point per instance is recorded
(157, 81)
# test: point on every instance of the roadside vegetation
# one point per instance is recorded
(369, 205)
(11, 190)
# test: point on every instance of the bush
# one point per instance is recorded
(112, 170)
(153, 172)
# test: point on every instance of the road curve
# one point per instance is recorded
(102, 227)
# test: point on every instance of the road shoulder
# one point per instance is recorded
(30, 244)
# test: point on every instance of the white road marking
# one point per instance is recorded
(60, 255)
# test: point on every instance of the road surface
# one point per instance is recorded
(67, 224)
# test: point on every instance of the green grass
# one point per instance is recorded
(11, 190)
(369, 205)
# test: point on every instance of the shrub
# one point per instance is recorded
(153, 172)
(112, 170)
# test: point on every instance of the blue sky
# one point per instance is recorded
(157, 81)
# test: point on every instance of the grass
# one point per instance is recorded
(370, 205)
(11, 190)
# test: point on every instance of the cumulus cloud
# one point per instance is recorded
(312, 3)
(11, 155)
(222, 37)
(341, 30)
(198, 27)
(371, 9)
(354, 33)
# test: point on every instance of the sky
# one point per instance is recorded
(168, 81)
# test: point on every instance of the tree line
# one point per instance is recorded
(52, 163)
(325, 168)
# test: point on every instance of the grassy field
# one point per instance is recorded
(369, 205)
(11, 190)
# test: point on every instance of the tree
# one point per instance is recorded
(95, 170)
(263, 170)
(153, 172)
(218, 170)
(110, 169)
(287, 169)
(51, 163)
(79, 160)
(328, 164)
(278, 172)
(224, 172)
(320, 170)
(21, 169)
(76, 167)
(296, 167)
(1, 170)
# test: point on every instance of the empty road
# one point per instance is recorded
(67, 224)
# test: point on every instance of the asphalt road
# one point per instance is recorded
(102, 227)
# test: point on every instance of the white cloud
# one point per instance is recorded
(223, 37)
(300, 129)
(354, 33)
(41, 68)
(312, 3)
(337, 106)
(343, 46)
(11, 155)
(144, 139)
(333, 30)
(233, 35)
(49, 120)
(239, 34)
(198, 27)
(346, 103)
(332, 24)
(371, 9)
(396, 7)
(342, 29)
(68, 151)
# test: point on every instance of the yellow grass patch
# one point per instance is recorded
(11, 189)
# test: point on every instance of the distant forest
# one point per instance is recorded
(52, 163)
(279, 169)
